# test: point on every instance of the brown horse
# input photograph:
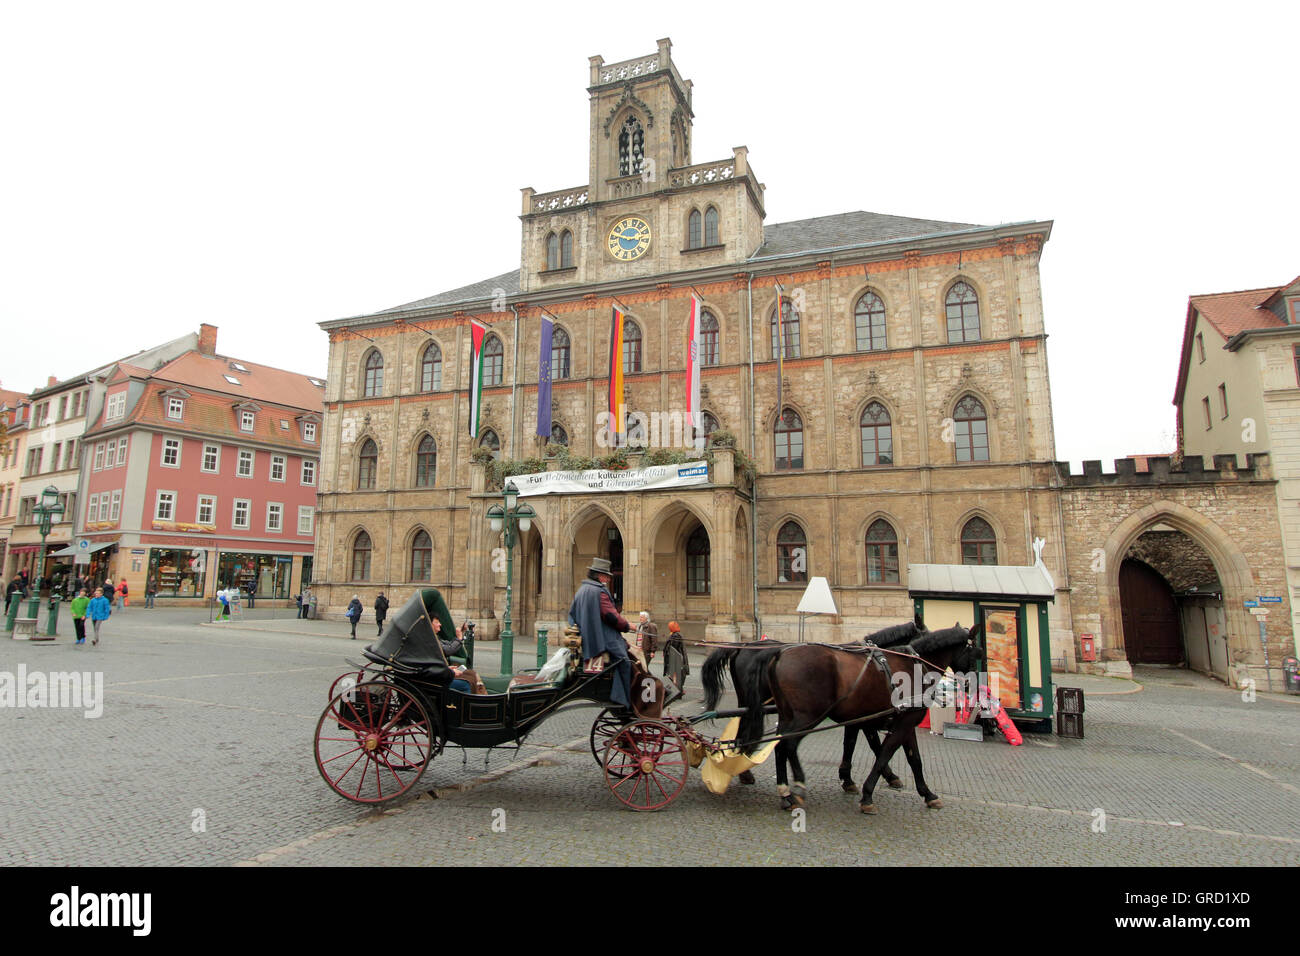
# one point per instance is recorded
(815, 682)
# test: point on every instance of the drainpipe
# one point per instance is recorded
(753, 447)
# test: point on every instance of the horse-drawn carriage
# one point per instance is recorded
(391, 716)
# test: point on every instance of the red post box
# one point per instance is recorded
(1087, 648)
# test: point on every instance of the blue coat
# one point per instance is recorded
(598, 637)
(354, 611)
(99, 608)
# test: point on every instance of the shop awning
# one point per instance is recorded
(982, 580)
(72, 550)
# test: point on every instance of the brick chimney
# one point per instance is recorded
(207, 339)
(53, 380)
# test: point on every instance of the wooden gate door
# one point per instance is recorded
(1152, 634)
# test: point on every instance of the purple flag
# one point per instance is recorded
(544, 381)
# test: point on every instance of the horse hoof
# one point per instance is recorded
(746, 778)
(787, 803)
(895, 784)
(849, 786)
(868, 808)
(798, 800)
(935, 804)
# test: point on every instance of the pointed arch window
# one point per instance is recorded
(788, 330)
(711, 227)
(882, 553)
(972, 430)
(789, 440)
(559, 435)
(631, 346)
(374, 380)
(697, 561)
(566, 250)
(979, 545)
(963, 308)
(491, 442)
(494, 361)
(869, 323)
(552, 251)
(431, 368)
(361, 557)
(877, 436)
(367, 465)
(791, 554)
(708, 425)
(695, 230)
(631, 147)
(421, 556)
(560, 354)
(708, 338)
(426, 462)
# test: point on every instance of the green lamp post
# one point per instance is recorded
(48, 509)
(511, 519)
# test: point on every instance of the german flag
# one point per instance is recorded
(617, 424)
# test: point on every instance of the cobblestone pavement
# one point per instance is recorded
(219, 718)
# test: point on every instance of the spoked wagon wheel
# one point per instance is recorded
(603, 728)
(374, 741)
(646, 765)
(344, 681)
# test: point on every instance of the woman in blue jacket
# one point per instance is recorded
(99, 610)
(354, 614)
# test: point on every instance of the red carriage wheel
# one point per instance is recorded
(374, 742)
(646, 764)
(354, 677)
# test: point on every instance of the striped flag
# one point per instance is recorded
(544, 379)
(780, 346)
(616, 378)
(477, 332)
(694, 414)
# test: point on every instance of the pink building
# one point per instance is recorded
(200, 475)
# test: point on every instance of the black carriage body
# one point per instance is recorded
(412, 656)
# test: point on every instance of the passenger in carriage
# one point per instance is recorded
(466, 681)
(602, 627)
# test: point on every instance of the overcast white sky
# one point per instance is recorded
(266, 166)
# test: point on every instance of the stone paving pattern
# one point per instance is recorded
(221, 717)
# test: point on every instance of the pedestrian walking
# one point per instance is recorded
(14, 592)
(109, 590)
(150, 591)
(678, 660)
(381, 612)
(122, 594)
(304, 607)
(100, 610)
(79, 605)
(252, 592)
(354, 614)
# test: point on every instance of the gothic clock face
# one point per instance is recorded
(629, 239)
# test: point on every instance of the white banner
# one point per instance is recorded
(586, 482)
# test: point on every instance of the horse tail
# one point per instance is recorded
(757, 683)
(714, 678)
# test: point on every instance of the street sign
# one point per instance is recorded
(1270, 599)
(1249, 603)
(1259, 611)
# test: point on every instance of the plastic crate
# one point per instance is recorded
(1069, 700)
(1069, 725)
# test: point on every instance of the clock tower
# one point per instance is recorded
(646, 209)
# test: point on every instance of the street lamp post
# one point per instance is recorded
(45, 512)
(509, 518)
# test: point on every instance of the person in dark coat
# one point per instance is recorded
(14, 592)
(354, 614)
(381, 612)
(602, 627)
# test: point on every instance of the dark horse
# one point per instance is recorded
(745, 658)
(813, 682)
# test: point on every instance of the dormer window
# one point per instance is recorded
(309, 431)
(631, 148)
(114, 409)
(247, 418)
(175, 409)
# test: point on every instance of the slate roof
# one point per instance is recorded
(847, 229)
(782, 238)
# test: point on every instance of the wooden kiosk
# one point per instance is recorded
(1012, 603)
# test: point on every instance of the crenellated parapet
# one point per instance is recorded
(1167, 470)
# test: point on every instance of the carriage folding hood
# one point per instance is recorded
(409, 638)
